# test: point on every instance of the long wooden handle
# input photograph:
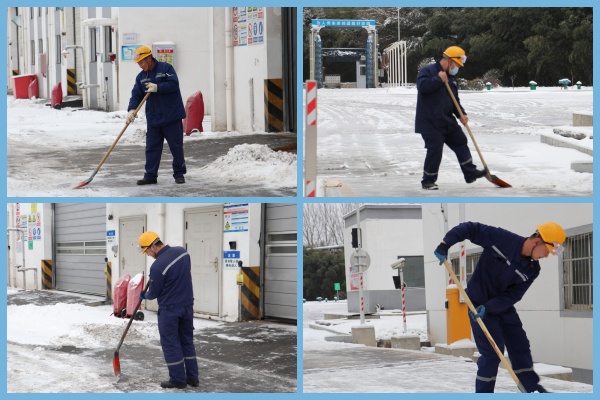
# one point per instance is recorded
(122, 131)
(468, 129)
(483, 328)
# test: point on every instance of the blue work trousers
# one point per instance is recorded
(507, 331)
(176, 329)
(155, 137)
(457, 141)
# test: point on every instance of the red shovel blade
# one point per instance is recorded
(117, 364)
(498, 182)
(82, 184)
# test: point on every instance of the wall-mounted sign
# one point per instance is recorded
(127, 52)
(129, 38)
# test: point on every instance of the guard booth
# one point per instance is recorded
(316, 49)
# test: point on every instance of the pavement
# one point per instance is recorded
(348, 368)
(268, 365)
(125, 166)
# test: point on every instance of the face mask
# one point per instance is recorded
(453, 71)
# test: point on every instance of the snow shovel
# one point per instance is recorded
(492, 178)
(116, 362)
(84, 183)
(483, 328)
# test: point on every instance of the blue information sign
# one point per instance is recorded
(342, 22)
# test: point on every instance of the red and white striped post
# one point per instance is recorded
(310, 140)
(463, 264)
(403, 302)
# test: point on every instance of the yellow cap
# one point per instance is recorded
(141, 53)
(552, 233)
(146, 240)
(457, 54)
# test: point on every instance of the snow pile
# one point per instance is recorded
(71, 325)
(254, 163)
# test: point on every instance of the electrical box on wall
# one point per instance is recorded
(165, 52)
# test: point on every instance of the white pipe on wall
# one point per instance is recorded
(229, 68)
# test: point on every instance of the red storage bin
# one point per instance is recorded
(33, 90)
(135, 287)
(120, 296)
(194, 111)
(21, 85)
(57, 97)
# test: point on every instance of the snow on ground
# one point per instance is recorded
(240, 164)
(33, 124)
(361, 369)
(366, 141)
(69, 326)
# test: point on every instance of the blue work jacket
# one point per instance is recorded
(164, 106)
(503, 274)
(436, 112)
(171, 275)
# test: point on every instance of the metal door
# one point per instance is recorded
(131, 261)
(203, 242)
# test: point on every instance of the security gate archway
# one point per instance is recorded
(316, 63)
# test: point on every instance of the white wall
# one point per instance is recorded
(188, 28)
(383, 240)
(42, 249)
(554, 339)
(257, 62)
(167, 220)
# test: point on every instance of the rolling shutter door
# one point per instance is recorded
(80, 247)
(280, 282)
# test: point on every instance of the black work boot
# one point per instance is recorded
(480, 173)
(429, 186)
(181, 179)
(145, 181)
(170, 385)
(193, 382)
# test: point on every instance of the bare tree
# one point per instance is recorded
(323, 223)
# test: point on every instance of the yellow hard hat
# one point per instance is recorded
(146, 240)
(141, 53)
(456, 54)
(553, 235)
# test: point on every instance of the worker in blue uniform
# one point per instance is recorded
(164, 114)
(508, 265)
(436, 118)
(171, 285)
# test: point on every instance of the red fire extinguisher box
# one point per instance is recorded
(194, 111)
(33, 89)
(21, 85)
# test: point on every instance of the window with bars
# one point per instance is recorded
(93, 43)
(58, 49)
(578, 282)
(107, 42)
(472, 260)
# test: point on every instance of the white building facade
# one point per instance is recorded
(229, 54)
(557, 309)
(389, 232)
(86, 247)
